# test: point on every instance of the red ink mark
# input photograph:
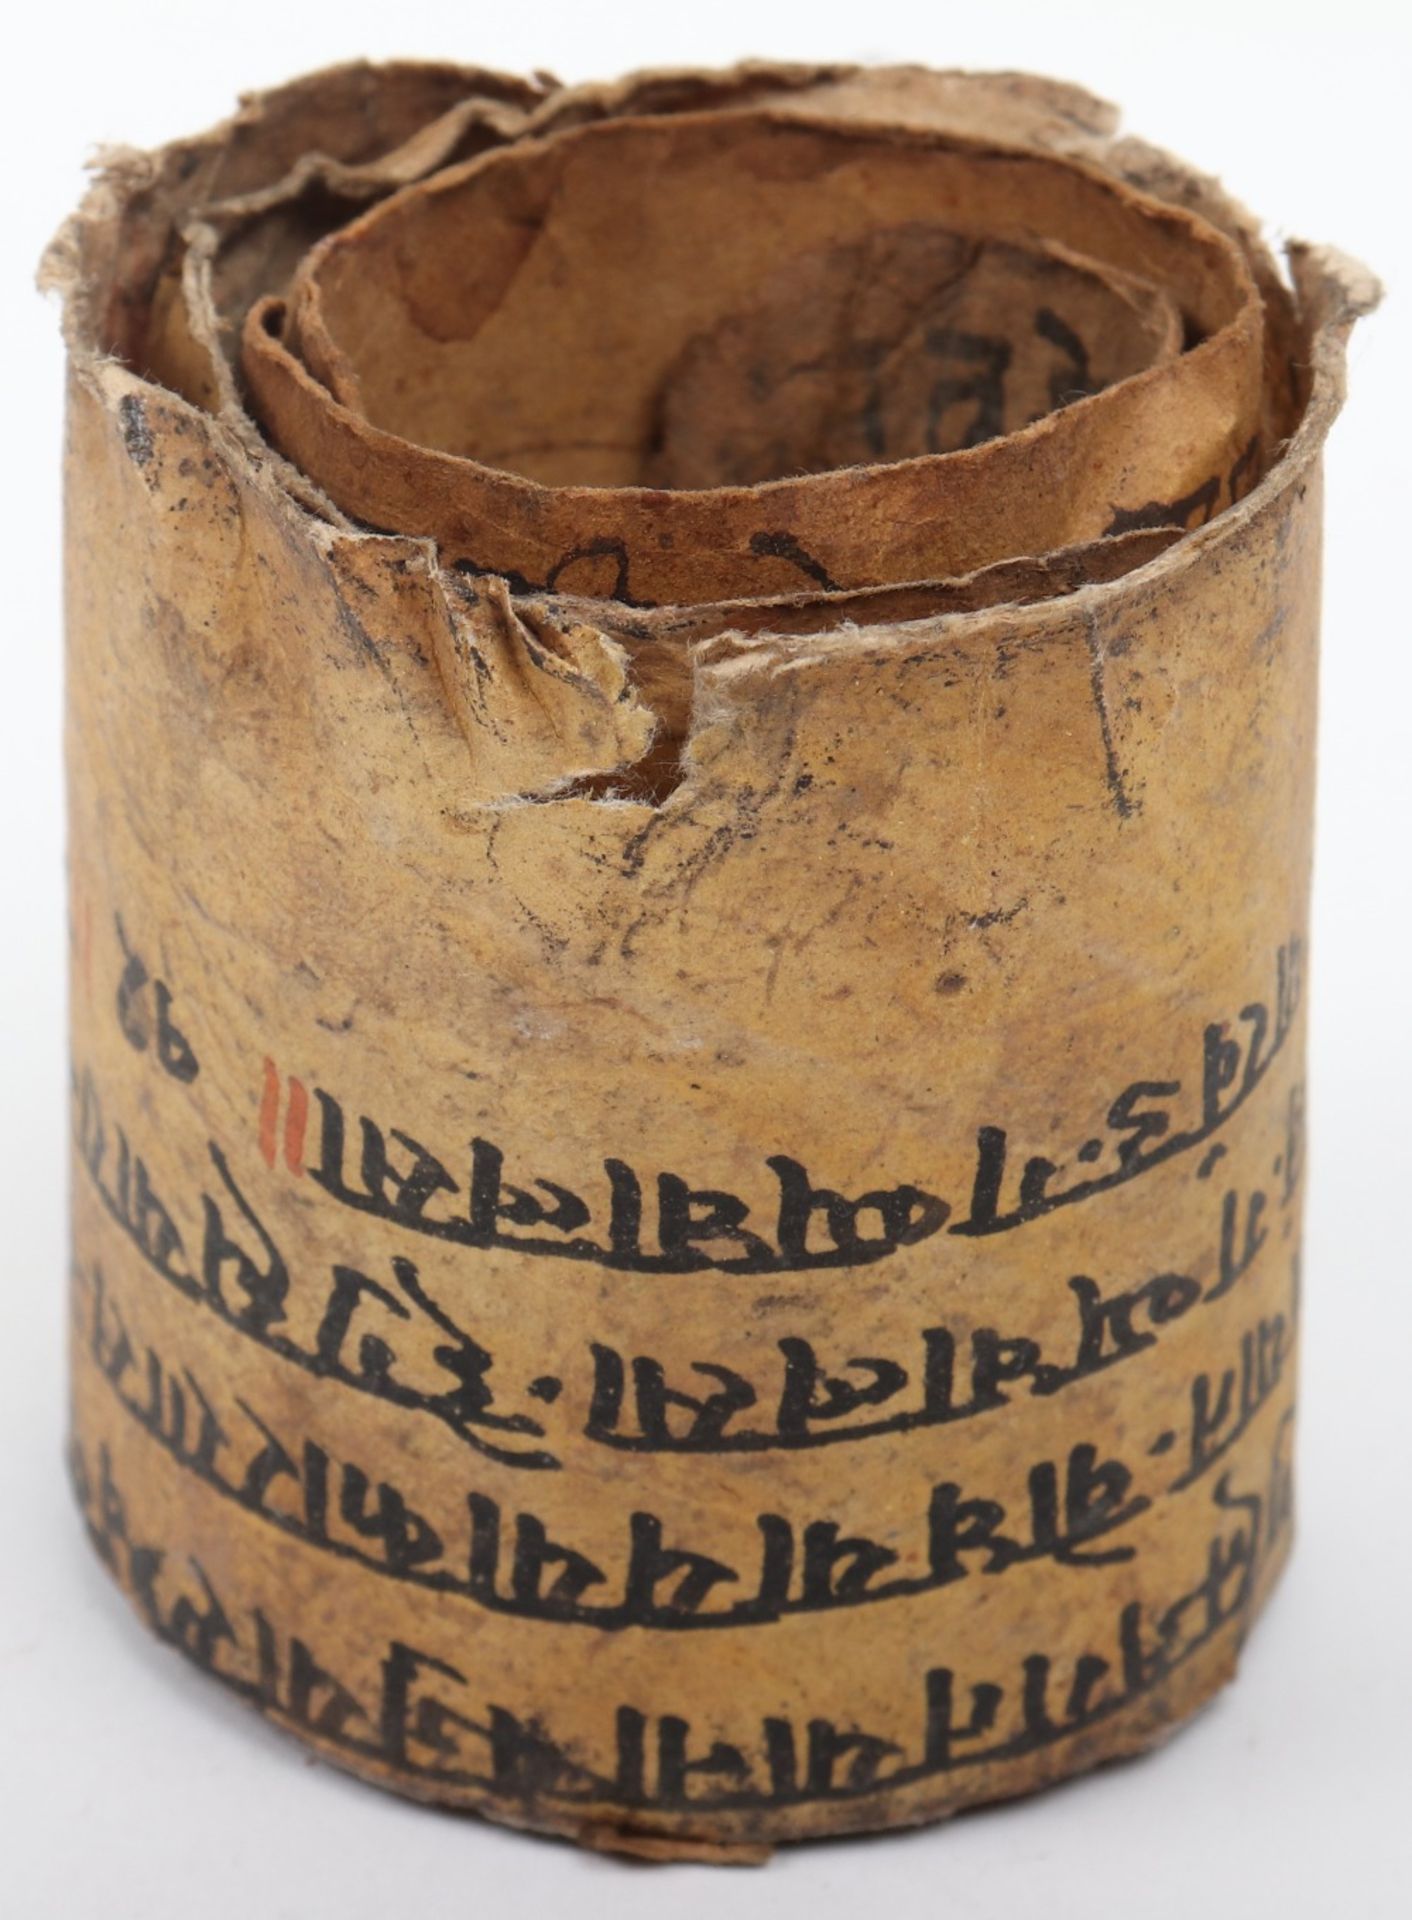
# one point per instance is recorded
(294, 1124)
(269, 1112)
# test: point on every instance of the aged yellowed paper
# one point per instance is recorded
(691, 720)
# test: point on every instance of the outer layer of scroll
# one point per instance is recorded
(691, 719)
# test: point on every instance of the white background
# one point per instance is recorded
(129, 1786)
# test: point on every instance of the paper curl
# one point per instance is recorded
(691, 717)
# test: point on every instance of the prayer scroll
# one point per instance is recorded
(691, 715)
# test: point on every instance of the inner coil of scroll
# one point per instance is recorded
(694, 360)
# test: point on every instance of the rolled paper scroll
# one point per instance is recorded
(691, 720)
